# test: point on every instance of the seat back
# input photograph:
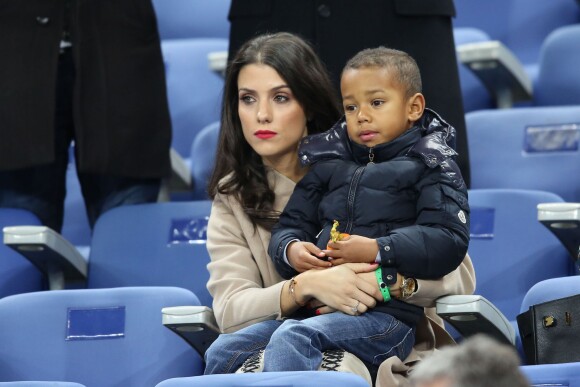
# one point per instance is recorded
(526, 148)
(193, 90)
(511, 251)
(75, 228)
(97, 337)
(183, 19)
(522, 25)
(40, 384)
(155, 244)
(272, 379)
(558, 80)
(551, 289)
(17, 274)
(203, 152)
(474, 93)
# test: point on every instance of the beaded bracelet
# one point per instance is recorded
(293, 293)
(382, 285)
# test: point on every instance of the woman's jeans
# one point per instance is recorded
(297, 345)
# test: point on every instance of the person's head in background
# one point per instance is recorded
(478, 361)
(276, 91)
(381, 95)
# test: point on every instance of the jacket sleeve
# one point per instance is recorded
(299, 220)
(240, 296)
(459, 281)
(437, 243)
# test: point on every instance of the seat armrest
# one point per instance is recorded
(472, 314)
(180, 179)
(563, 220)
(195, 324)
(217, 61)
(499, 70)
(50, 252)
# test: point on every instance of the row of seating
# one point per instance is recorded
(491, 76)
(521, 134)
(140, 241)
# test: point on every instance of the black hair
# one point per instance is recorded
(406, 72)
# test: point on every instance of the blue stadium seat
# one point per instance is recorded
(510, 249)
(271, 379)
(474, 93)
(559, 80)
(97, 337)
(522, 25)
(203, 152)
(75, 227)
(17, 274)
(526, 148)
(179, 19)
(40, 384)
(156, 244)
(193, 89)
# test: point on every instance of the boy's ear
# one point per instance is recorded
(416, 106)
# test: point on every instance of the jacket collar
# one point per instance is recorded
(431, 138)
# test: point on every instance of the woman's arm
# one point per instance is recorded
(339, 288)
(459, 281)
(244, 285)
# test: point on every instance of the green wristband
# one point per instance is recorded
(382, 285)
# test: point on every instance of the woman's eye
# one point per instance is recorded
(247, 99)
(281, 98)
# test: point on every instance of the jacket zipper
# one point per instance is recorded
(351, 196)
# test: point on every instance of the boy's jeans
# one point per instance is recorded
(297, 345)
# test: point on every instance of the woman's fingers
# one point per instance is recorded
(325, 310)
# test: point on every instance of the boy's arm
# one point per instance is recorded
(298, 221)
(437, 243)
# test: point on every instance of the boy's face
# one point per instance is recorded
(375, 105)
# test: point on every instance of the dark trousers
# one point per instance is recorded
(42, 189)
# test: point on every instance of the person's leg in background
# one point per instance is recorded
(42, 189)
(102, 192)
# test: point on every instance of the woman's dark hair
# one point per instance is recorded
(299, 66)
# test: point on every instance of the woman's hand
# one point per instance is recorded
(304, 256)
(354, 248)
(341, 288)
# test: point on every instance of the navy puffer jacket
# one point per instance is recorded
(411, 198)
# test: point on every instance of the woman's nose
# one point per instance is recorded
(264, 114)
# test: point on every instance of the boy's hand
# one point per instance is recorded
(305, 256)
(354, 248)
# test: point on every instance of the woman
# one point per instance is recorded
(277, 91)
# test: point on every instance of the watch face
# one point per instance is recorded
(408, 287)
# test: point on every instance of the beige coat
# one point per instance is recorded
(246, 287)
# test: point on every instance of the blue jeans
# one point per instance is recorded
(297, 345)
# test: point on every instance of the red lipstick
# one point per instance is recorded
(264, 134)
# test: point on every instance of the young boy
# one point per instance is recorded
(386, 173)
